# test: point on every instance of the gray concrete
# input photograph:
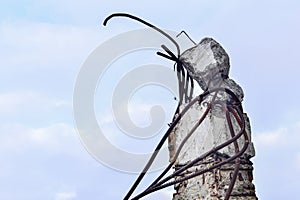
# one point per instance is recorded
(208, 64)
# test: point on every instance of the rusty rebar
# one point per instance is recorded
(235, 109)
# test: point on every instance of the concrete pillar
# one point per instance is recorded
(208, 64)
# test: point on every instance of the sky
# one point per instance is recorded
(44, 45)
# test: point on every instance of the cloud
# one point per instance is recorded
(281, 138)
(48, 157)
(277, 160)
(271, 138)
(21, 102)
(35, 44)
(54, 139)
(65, 195)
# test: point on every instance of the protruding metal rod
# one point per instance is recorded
(143, 22)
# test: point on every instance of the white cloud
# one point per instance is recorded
(271, 138)
(16, 103)
(51, 136)
(65, 195)
(55, 139)
(277, 160)
(281, 138)
(33, 44)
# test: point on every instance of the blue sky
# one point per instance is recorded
(43, 45)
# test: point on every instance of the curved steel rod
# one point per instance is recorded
(143, 22)
(183, 85)
(236, 147)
